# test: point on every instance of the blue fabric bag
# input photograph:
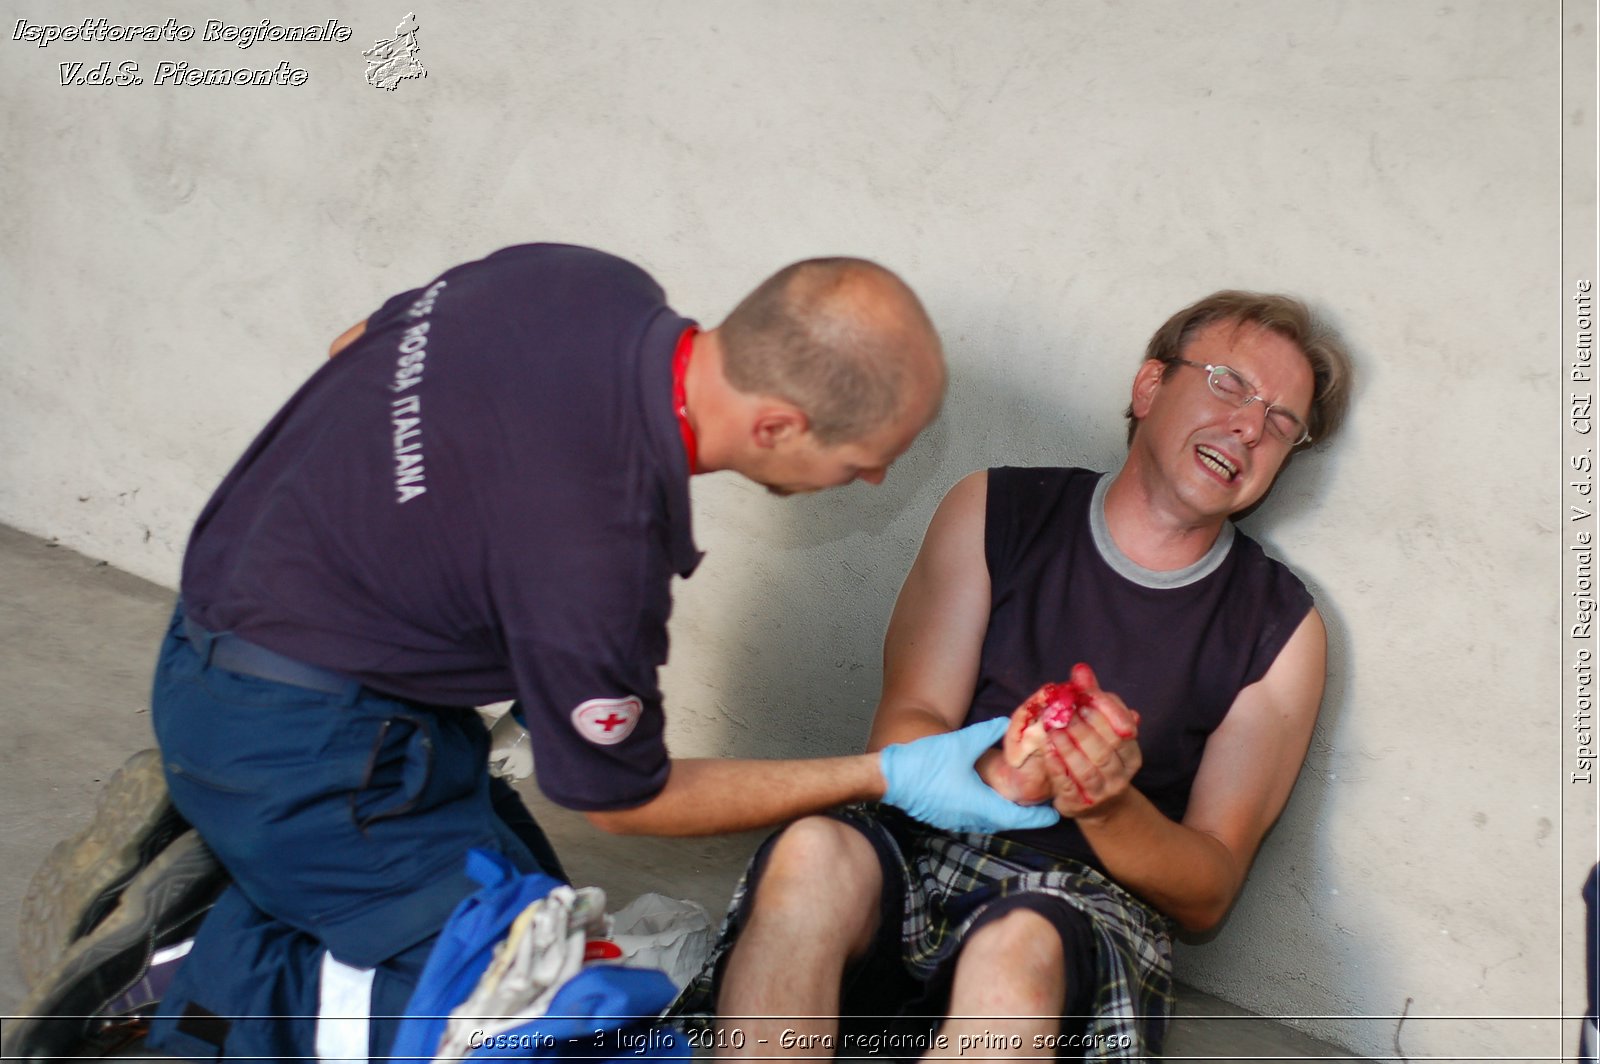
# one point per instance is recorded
(606, 1011)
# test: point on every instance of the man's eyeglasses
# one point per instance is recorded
(1227, 385)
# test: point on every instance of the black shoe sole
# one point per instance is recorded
(59, 1015)
(78, 884)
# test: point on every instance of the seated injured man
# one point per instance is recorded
(1162, 676)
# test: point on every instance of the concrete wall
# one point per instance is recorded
(1054, 178)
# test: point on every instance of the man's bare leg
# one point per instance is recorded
(815, 909)
(1010, 986)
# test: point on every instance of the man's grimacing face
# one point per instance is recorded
(1217, 458)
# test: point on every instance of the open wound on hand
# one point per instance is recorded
(1050, 708)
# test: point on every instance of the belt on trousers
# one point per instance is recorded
(228, 651)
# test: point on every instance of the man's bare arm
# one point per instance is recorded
(935, 637)
(713, 796)
(930, 669)
(1193, 871)
(930, 658)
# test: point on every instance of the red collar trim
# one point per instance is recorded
(680, 400)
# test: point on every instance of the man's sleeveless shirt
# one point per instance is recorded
(1176, 646)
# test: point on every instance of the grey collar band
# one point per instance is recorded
(1129, 569)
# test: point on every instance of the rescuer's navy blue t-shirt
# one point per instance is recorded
(484, 497)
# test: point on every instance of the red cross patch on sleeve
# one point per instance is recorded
(607, 721)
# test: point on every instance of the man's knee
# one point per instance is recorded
(1020, 956)
(822, 873)
(836, 856)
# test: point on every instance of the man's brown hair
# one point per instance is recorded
(1284, 315)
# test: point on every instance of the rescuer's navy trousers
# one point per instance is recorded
(343, 817)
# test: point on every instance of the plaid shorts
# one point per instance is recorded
(949, 882)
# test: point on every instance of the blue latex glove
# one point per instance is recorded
(934, 780)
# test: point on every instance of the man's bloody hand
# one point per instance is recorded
(1050, 708)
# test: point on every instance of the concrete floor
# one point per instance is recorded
(78, 640)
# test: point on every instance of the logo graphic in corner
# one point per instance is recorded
(392, 61)
(607, 721)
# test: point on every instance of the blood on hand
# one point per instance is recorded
(1051, 708)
